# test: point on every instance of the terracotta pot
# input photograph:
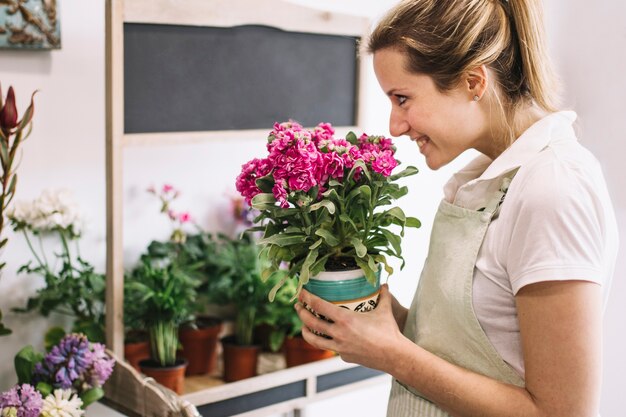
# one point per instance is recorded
(298, 352)
(136, 352)
(200, 345)
(172, 377)
(262, 336)
(240, 362)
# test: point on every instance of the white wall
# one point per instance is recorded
(66, 149)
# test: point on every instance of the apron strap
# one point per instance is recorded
(496, 201)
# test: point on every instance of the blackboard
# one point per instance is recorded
(187, 78)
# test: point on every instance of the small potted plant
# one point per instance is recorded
(285, 329)
(239, 284)
(324, 206)
(165, 297)
(192, 253)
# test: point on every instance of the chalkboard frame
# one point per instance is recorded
(214, 13)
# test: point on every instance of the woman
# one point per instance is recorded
(506, 320)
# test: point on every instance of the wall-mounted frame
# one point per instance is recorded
(160, 52)
(30, 24)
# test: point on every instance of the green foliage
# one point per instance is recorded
(280, 314)
(4, 331)
(74, 289)
(350, 224)
(160, 297)
(25, 362)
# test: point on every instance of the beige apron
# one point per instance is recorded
(441, 318)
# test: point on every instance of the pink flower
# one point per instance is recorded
(280, 194)
(250, 172)
(323, 131)
(184, 217)
(384, 162)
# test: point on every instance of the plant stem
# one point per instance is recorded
(44, 265)
(164, 342)
(245, 325)
(67, 250)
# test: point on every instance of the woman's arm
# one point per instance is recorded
(560, 325)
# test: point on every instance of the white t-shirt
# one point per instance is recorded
(556, 223)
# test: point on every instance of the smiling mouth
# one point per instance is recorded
(421, 141)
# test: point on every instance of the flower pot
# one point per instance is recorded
(240, 362)
(200, 345)
(298, 352)
(135, 352)
(172, 377)
(348, 289)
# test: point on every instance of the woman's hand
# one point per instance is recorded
(361, 338)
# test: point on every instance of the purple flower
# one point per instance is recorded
(102, 367)
(24, 398)
(75, 359)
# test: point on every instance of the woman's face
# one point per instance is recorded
(443, 125)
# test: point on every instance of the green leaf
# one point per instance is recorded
(413, 222)
(397, 213)
(360, 248)
(306, 266)
(282, 276)
(406, 172)
(53, 336)
(265, 184)
(347, 219)
(329, 205)
(382, 260)
(363, 192)
(316, 244)
(284, 239)
(91, 396)
(25, 362)
(394, 240)
(328, 236)
(263, 201)
(44, 388)
(370, 274)
(351, 137)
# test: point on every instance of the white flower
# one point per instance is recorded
(62, 403)
(51, 210)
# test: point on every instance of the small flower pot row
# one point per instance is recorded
(200, 357)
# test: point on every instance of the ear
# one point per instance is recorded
(476, 81)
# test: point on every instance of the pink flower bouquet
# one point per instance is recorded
(324, 202)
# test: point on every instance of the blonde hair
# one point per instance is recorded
(447, 38)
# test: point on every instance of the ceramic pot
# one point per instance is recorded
(298, 352)
(136, 352)
(200, 345)
(172, 377)
(348, 289)
(240, 362)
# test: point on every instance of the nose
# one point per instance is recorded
(398, 124)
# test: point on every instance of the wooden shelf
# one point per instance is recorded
(276, 390)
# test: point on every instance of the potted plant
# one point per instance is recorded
(192, 253)
(165, 297)
(285, 329)
(324, 206)
(239, 284)
(72, 286)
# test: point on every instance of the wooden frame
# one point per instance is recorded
(218, 13)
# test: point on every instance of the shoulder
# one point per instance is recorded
(562, 174)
